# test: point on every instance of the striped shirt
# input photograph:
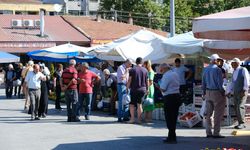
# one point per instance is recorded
(69, 74)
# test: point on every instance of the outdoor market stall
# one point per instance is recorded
(8, 58)
(142, 43)
(229, 32)
(62, 53)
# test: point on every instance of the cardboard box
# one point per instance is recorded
(189, 119)
(198, 100)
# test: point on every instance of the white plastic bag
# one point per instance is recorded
(203, 108)
(126, 99)
(100, 104)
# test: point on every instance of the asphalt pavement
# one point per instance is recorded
(101, 132)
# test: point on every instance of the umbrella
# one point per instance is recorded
(229, 32)
(8, 58)
(228, 25)
(61, 53)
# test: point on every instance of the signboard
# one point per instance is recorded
(100, 42)
(26, 44)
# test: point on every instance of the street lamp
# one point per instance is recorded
(172, 18)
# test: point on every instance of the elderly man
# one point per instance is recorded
(170, 87)
(122, 79)
(239, 90)
(33, 80)
(214, 93)
(111, 81)
(69, 85)
(25, 87)
(10, 76)
(87, 79)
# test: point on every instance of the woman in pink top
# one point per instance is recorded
(86, 79)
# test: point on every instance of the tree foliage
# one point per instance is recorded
(185, 10)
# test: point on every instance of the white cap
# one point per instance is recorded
(214, 57)
(106, 72)
(11, 66)
(30, 63)
(237, 60)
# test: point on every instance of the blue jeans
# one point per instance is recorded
(88, 98)
(123, 111)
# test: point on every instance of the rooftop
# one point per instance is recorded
(21, 1)
(56, 29)
(105, 29)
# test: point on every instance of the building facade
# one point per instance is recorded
(77, 7)
(25, 7)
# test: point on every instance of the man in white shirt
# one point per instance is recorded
(169, 86)
(122, 79)
(239, 90)
(33, 80)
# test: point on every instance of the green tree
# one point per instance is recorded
(205, 7)
(231, 4)
(183, 15)
(151, 14)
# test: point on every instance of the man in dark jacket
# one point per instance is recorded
(10, 76)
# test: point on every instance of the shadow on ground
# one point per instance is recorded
(154, 143)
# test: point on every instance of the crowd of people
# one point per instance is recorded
(146, 84)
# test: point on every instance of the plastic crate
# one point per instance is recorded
(189, 119)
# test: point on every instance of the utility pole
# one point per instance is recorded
(172, 18)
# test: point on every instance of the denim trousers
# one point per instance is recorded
(123, 111)
(71, 96)
(88, 98)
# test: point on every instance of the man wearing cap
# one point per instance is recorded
(122, 79)
(170, 88)
(29, 67)
(86, 78)
(111, 82)
(69, 85)
(239, 90)
(214, 94)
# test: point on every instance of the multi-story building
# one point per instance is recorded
(31, 7)
(77, 7)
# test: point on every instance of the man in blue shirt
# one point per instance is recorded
(170, 85)
(214, 93)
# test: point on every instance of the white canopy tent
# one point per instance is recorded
(142, 43)
(185, 44)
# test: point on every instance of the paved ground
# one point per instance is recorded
(17, 132)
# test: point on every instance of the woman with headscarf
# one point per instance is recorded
(43, 107)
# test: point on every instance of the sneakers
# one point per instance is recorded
(240, 126)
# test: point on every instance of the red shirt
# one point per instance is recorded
(87, 85)
(69, 74)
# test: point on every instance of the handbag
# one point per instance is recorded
(17, 82)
